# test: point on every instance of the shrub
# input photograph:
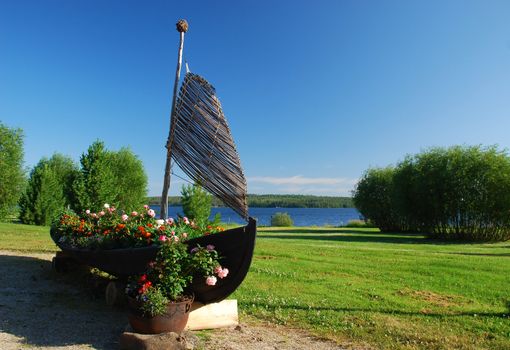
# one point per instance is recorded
(95, 184)
(49, 190)
(458, 192)
(129, 178)
(196, 204)
(117, 178)
(461, 192)
(281, 219)
(359, 224)
(12, 177)
(373, 197)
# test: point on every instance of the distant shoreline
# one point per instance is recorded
(275, 201)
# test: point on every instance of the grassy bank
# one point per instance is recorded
(389, 290)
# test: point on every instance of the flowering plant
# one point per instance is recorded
(111, 228)
(167, 278)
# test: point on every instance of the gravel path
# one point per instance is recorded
(40, 309)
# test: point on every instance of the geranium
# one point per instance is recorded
(112, 229)
(168, 278)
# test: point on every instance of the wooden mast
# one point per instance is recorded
(182, 27)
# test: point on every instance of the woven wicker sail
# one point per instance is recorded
(203, 146)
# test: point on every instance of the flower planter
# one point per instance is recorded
(235, 247)
(174, 320)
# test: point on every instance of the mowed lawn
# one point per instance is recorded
(362, 287)
(391, 291)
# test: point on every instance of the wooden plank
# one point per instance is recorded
(215, 315)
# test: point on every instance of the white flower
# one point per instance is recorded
(159, 222)
(106, 205)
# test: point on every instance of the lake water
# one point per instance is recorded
(300, 216)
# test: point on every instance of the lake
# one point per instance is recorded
(301, 216)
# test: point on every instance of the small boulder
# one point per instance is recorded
(163, 341)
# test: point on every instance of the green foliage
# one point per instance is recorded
(297, 201)
(461, 192)
(12, 177)
(116, 178)
(174, 269)
(373, 197)
(155, 303)
(281, 219)
(275, 201)
(360, 224)
(129, 178)
(196, 203)
(96, 183)
(49, 190)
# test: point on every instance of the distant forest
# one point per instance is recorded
(276, 201)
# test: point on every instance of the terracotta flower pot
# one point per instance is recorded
(173, 320)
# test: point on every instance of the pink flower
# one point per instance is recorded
(162, 238)
(146, 206)
(170, 221)
(134, 213)
(101, 213)
(124, 217)
(87, 211)
(172, 233)
(151, 213)
(211, 281)
(218, 269)
(209, 247)
(223, 273)
(184, 235)
(94, 215)
(186, 220)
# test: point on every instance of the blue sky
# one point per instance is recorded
(315, 91)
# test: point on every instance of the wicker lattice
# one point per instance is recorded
(203, 146)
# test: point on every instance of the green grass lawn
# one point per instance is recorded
(26, 238)
(391, 291)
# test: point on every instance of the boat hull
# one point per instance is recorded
(235, 247)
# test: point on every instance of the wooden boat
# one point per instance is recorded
(200, 142)
(235, 246)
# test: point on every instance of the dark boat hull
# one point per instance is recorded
(235, 247)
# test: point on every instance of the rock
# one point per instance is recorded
(163, 341)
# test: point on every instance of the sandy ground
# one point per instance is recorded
(41, 309)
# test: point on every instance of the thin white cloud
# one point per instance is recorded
(329, 186)
(301, 180)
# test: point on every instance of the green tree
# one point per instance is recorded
(95, 184)
(373, 197)
(12, 176)
(456, 192)
(130, 179)
(49, 190)
(196, 203)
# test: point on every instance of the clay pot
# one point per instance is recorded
(173, 320)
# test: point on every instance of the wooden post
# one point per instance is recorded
(182, 27)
